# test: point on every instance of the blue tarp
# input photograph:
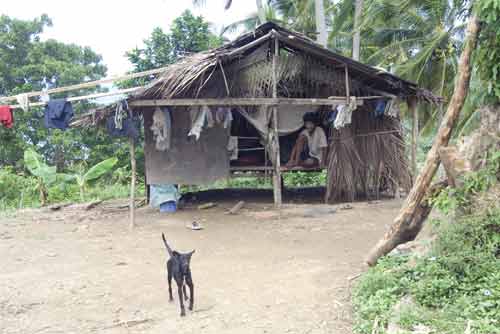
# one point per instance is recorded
(161, 193)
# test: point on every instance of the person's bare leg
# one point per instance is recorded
(297, 149)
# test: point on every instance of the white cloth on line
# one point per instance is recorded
(392, 108)
(198, 117)
(344, 113)
(162, 128)
(44, 96)
(23, 101)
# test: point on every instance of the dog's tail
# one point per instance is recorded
(169, 250)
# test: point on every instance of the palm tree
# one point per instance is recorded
(319, 8)
(356, 39)
(420, 39)
(261, 13)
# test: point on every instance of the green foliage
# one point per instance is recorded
(488, 51)
(83, 178)
(45, 175)
(28, 64)
(451, 199)
(456, 282)
(17, 190)
(305, 179)
(188, 34)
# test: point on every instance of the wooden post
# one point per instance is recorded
(407, 224)
(277, 163)
(132, 182)
(347, 85)
(412, 107)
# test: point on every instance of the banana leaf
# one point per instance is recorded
(99, 169)
(35, 165)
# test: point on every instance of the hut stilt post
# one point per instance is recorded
(276, 143)
(412, 107)
(133, 168)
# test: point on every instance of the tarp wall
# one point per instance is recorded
(188, 161)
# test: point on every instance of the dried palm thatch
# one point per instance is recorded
(366, 157)
(243, 69)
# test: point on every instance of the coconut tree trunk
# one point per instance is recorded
(403, 226)
(261, 13)
(319, 7)
(356, 39)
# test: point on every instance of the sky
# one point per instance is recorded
(112, 27)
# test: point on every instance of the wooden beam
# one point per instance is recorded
(248, 46)
(252, 101)
(88, 84)
(412, 107)
(347, 85)
(132, 182)
(276, 137)
(84, 97)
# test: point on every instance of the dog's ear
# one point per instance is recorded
(191, 252)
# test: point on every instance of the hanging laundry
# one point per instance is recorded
(198, 118)
(380, 108)
(6, 117)
(392, 108)
(121, 113)
(228, 118)
(344, 113)
(58, 113)
(220, 113)
(232, 148)
(209, 116)
(23, 101)
(162, 128)
(129, 127)
(44, 96)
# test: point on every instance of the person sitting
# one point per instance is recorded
(310, 148)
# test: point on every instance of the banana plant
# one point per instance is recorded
(83, 178)
(45, 174)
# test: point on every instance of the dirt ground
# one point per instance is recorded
(261, 271)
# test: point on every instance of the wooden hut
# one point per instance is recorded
(267, 79)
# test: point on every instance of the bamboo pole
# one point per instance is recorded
(277, 164)
(412, 107)
(407, 222)
(87, 84)
(132, 182)
(347, 85)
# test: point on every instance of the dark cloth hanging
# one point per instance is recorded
(58, 113)
(129, 127)
(380, 108)
(6, 117)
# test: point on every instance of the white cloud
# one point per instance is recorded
(112, 27)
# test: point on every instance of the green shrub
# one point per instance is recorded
(457, 282)
(17, 190)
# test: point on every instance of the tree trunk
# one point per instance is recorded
(356, 39)
(400, 230)
(261, 12)
(320, 22)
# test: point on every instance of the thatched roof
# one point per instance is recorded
(195, 74)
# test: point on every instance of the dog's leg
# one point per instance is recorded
(184, 291)
(181, 300)
(169, 274)
(189, 282)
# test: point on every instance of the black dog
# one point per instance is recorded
(178, 268)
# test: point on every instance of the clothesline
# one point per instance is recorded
(85, 97)
(85, 84)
